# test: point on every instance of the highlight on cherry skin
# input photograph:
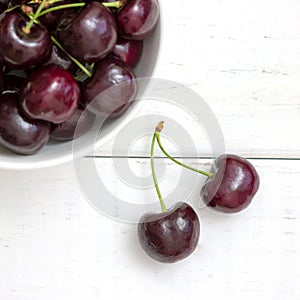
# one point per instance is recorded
(231, 183)
(171, 235)
(233, 186)
(51, 79)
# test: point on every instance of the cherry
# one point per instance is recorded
(19, 49)
(138, 18)
(65, 131)
(60, 59)
(17, 132)
(51, 19)
(233, 186)
(31, 42)
(129, 51)
(111, 89)
(50, 94)
(93, 31)
(172, 235)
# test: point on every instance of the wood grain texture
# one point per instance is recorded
(242, 57)
(53, 244)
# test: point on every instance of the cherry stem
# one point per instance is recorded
(57, 43)
(159, 128)
(48, 2)
(77, 62)
(63, 6)
(161, 201)
(116, 4)
(90, 68)
(36, 15)
(11, 8)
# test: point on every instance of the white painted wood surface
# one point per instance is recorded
(53, 244)
(243, 58)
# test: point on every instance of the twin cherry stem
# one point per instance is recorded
(156, 137)
(39, 13)
(76, 61)
(116, 4)
(35, 17)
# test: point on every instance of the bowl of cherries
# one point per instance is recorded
(57, 59)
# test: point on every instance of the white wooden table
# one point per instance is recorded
(243, 58)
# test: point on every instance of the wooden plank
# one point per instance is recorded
(243, 58)
(54, 244)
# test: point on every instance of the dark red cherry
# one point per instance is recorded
(51, 19)
(111, 89)
(93, 31)
(233, 186)
(171, 236)
(18, 49)
(60, 59)
(17, 132)
(138, 18)
(50, 94)
(66, 131)
(129, 51)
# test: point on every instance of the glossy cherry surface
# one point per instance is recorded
(138, 18)
(17, 132)
(60, 59)
(111, 89)
(50, 94)
(18, 49)
(129, 51)
(171, 236)
(51, 19)
(93, 31)
(66, 131)
(233, 186)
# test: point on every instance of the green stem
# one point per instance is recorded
(77, 62)
(36, 15)
(57, 43)
(116, 4)
(90, 68)
(11, 8)
(162, 203)
(49, 2)
(63, 6)
(157, 136)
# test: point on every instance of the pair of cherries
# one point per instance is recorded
(173, 234)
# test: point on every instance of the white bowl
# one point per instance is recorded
(55, 153)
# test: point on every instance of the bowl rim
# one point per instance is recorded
(68, 157)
